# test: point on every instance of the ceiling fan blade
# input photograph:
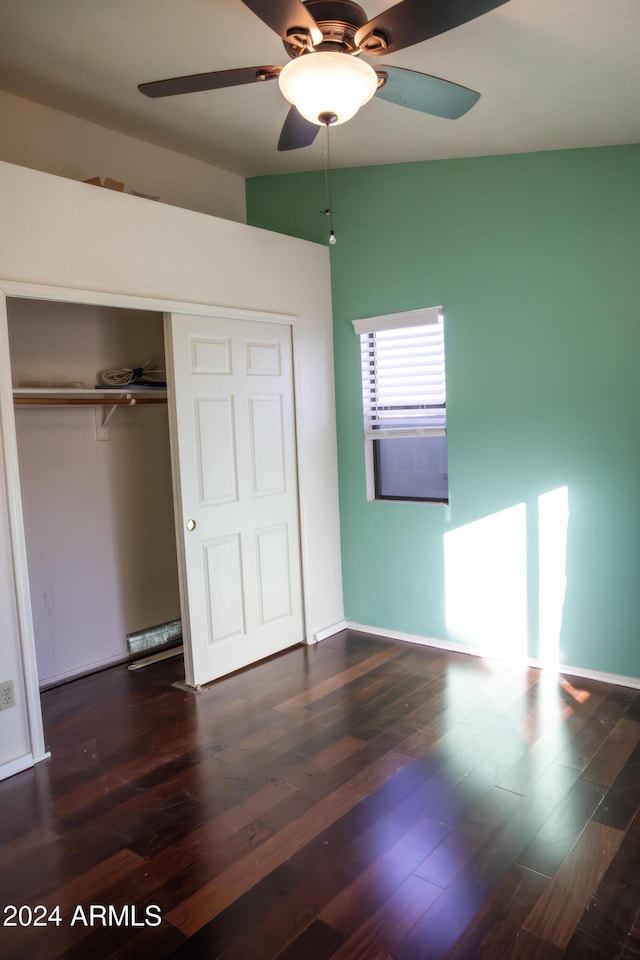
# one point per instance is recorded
(419, 91)
(209, 81)
(296, 132)
(286, 17)
(412, 21)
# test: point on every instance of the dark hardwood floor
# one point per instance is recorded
(359, 800)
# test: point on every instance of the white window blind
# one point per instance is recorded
(403, 374)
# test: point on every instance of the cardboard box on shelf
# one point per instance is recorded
(118, 186)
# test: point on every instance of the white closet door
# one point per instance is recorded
(234, 441)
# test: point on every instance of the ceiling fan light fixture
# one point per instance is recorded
(321, 84)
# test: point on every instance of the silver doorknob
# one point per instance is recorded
(191, 525)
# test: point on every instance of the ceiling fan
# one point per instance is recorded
(326, 81)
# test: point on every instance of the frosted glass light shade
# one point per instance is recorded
(328, 83)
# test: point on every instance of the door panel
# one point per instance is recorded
(225, 588)
(234, 435)
(267, 445)
(215, 449)
(274, 573)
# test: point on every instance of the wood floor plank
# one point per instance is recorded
(582, 947)
(379, 681)
(470, 835)
(169, 821)
(306, 737)
(353, 906)
(407, 695)
(152, 942)
(614, 752)
(258, 737)
(494, 930)
(314, 664)
(561, 829)
(220, 786)
(530, 947)
(393, 739)
(345, 874)
(22, 809)
(213, 897)
(30, 873)
(112, 779)
(79, 892)
(24, 855)
(321, 689)
(633, 709)
(556, 722)
(317, 942)
(110, 811)
(292, 766)
(613, 911)
(583, 747)
(623, 797)
(285, 900)
(112, 738)
(184, 867)
(92, 882)
(631, 950)
(434, 934)
(557, 912)
(378, 935)
(442, 925)
(493, 740)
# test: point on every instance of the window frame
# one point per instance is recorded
(396, 321)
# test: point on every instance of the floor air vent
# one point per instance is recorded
(154, 640)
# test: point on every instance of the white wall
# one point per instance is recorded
(44, 139)
(70, 235)
(98, 514)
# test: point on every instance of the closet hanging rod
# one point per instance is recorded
(89, 401)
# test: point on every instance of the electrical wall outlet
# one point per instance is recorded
(7, 696)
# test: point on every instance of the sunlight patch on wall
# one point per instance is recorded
(553, 522)
(486, 583)
(488, 593)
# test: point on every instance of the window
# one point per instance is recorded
(404, 402)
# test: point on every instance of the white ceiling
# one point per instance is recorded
(552, 74)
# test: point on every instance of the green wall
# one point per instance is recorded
(536, 261)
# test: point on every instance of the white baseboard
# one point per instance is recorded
(16, 766)
(614, 678)
(414, 638)
(330, 631)
(85, 670)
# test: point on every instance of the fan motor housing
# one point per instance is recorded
(337, 20)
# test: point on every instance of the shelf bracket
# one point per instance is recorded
(102, 426)
(102, 417)
(107, 414)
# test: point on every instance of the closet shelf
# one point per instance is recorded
(77, 396)
(71, 395)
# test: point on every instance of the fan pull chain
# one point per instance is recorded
(328, 211)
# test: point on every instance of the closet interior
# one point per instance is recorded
(95, 479)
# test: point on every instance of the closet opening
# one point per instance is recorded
(95, 481)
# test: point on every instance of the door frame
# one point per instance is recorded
(35, 291)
